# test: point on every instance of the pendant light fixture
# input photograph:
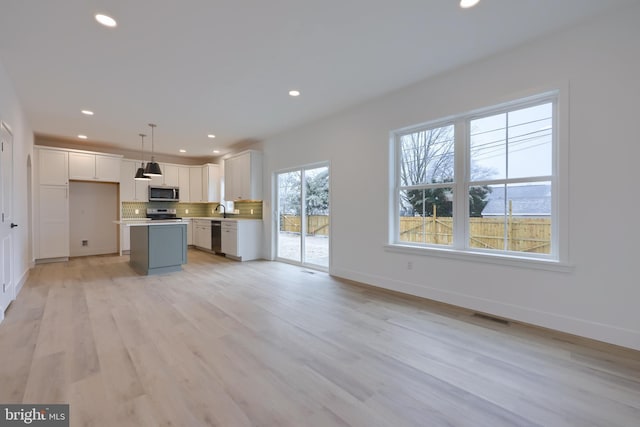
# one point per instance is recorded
(153, 168)
(140, 176)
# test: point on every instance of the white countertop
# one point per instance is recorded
(217, 218)
(146, 221)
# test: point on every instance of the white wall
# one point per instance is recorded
(12, 114)
(600, 62)
(93, 206)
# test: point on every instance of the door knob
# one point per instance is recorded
(13, 225)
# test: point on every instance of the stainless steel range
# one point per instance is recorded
(162, 214)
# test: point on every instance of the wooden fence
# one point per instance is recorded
(317, 225)
(517, 234)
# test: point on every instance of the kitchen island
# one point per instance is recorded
(157, 247)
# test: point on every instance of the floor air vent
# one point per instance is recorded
(491, 318)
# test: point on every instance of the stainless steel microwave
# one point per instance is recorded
(164, 194)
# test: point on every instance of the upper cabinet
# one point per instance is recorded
(53, 166)
(128, 170)
(107, 168)
(51, 223)
(132, 190)
(184, 183)
(243, 176)
(195, 184)
(211, 182)
(94, 167)
(170, 174)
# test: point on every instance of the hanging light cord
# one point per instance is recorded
(152, 146)
(142, 135)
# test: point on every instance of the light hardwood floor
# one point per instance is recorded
(269, 344)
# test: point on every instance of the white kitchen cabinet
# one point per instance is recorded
(242, 239)
(52, 204)
(53, 166)
(157, 181)
(170, 174)
(243, 176)
(94, 167)
(229, 238)
(53, 221)
(189, 231)
(202, 233)
(211, 182)
(183, 183)
(82, 166)
(128, 170)
(125, 239)
(130, 189)
(108, 168)
(195, 184)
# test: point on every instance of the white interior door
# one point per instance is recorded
(6, 198)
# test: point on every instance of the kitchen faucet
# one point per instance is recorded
(224, 210)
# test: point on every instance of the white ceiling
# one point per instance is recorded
(195, 67)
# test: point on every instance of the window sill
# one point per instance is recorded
(501, 259)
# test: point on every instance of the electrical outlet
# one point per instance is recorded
(137, 211)
(85, 243)
(410, 265)
(251, 211)
(186, 211)
(236, 211)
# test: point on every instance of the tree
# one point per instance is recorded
(478, 200)
(317, 192)
(289, 186)
(428, 158)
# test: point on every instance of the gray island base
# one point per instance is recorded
(158, 248)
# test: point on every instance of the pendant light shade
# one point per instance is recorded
(140, 176)
(153, 168)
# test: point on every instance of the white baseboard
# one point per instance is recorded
(571, 325)
(49, 260)
(22, 281)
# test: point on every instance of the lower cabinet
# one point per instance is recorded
(125, 239)
(157, 249)
(230, 238)
(189, 232)
(202, 233)
(242, 240)
(53, 222)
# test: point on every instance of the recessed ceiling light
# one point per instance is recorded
(216, 151)
(87, 112)
(294, 93)
(465, 4)
(183, 151)
(105, 20)
(211, 135)
(82, 136)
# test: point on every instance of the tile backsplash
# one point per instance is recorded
(250, 209)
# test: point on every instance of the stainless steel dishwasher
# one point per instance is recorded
(216, 236)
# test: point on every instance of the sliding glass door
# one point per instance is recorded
(303, 216)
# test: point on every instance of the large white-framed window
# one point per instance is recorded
(481, 184)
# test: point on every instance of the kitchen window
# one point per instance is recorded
(484, 183)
